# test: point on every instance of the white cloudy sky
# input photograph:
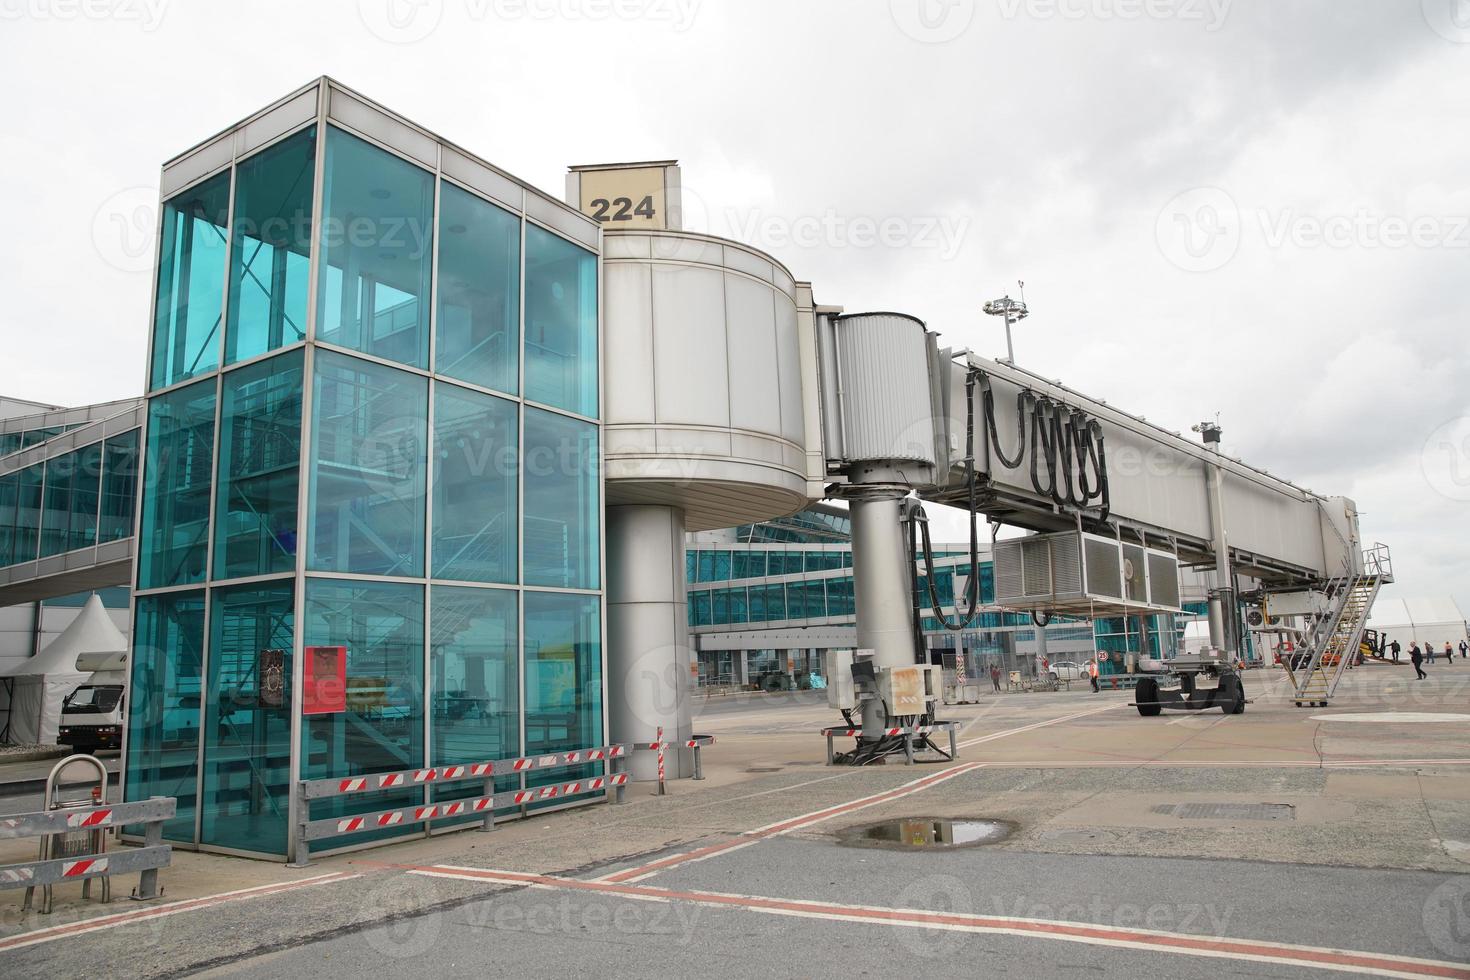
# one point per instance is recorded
(1256, 208)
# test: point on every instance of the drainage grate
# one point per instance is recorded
(1228, 811)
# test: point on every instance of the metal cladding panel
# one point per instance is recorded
(1066, 565)
(1008, 578)
(1135, 570)
(884, 398)
(1104, 577)
(703, 386)
(1163, 579)
(1036, 568)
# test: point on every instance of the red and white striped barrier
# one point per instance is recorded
(83, 867)
(419, 779)
(322, 788)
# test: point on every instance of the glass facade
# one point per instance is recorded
(164, 707)
(247, 719)
(479, 291)
(563, 503)
(360, 423)
(561, 323)
(369, 456)
(259, 468)
(174, 533)
(270, 253)
(376, 241)
(476, 462)
(69, 520)
(191, 283)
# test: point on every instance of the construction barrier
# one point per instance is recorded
(660, 746)
(908, 734)
(310, 790)
(56, 825)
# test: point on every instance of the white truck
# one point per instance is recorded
(92, 715)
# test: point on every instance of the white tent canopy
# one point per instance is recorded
(37, 686)
(1419, 620)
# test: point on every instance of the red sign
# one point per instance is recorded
(324, 681)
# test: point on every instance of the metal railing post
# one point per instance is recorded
(148, 880)
(661, 789)
(698, 762)
(489, 792)
(619, 766)
(303, 816)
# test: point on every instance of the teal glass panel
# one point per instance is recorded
(9, 487)
(259, 468)
(271, 254)
(561, 323)
(691, 565)
(563, 509)
(34, 437)
(191, 283)
(376, 241)
(69, 518)
(26, 530)
(179, 465)
(164, 701)
(369, 449)
(699, 605)
(775, 599)
(381, 624)
(479, 291)
(563, 656)
(119, 487)
(840, 600)
(247, 719)
(475, 477)
(474, 654)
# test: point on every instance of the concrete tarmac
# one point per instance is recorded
(1351, 839)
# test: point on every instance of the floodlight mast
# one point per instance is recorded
(1014, 311)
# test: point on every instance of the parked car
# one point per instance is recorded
(1068, 671)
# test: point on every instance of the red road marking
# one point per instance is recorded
(157, 911)
(1144, 939)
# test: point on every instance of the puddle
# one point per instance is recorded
(918, 833)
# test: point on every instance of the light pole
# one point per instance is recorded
(1014, 311)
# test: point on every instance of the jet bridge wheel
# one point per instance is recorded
(1231, 695)
(1146, 694)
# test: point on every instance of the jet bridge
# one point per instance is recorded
(1127, 501)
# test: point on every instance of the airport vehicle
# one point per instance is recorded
(92, 715)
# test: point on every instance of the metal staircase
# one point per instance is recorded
(1334, 637)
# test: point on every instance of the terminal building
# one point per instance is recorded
(433, 467)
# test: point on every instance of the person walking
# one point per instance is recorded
(1416, 658)
(1092, 675)
(1429, 651)
(995, 677)
(1463, 647)
(1449, 653)
(1394, 646)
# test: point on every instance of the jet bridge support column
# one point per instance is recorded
(1223, 632)
(880, 587)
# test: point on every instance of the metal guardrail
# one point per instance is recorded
(51, 824)
(662, 745)
(841, 731)
(309, 790)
